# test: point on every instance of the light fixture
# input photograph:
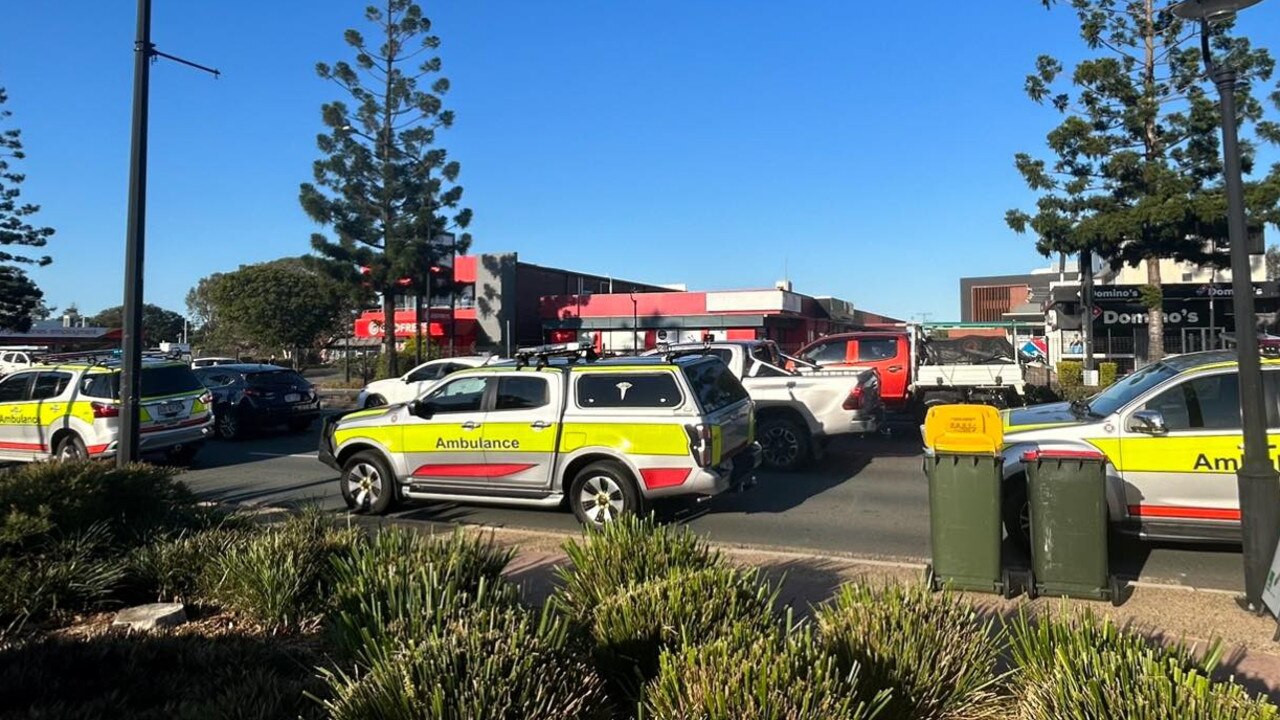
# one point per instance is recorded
(1210, 10)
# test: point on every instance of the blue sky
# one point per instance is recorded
(865, 148)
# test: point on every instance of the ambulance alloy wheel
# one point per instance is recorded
(70, 449)
(368, 486)
(602, 492)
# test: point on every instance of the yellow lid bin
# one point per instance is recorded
(969, 429)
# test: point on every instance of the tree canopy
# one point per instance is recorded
(158, 324)
(18, 293)
(279, 304)
(384, 187)
(1135, 166)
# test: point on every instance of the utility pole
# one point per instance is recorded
(1086, 306)
(131, 367)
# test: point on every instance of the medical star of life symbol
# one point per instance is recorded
(623, 387)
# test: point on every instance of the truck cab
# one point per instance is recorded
(888, 353)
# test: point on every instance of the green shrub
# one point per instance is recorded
(60, 575)
(758, 673)
(631, 629)
(401, 586)
(158, 677)
(276, 577)
(133, 503)
(1070, 373)
(934, 652)
(496, 664)
(1107, 372)
(1075, 666)
(181, 568)
(627, 551)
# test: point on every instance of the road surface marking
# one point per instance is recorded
(293, 455)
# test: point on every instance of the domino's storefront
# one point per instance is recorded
(1196, 317)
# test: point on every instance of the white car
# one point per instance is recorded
(417, 381)
(13, 359)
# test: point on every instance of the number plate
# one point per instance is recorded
(292, 397)
(170, 409)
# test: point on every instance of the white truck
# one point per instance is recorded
(797, 411)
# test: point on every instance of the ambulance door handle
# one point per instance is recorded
(540, 425)
(470, 425)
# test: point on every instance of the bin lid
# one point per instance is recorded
(964, 429)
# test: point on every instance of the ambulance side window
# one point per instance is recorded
(461, 395)
(1203, 403)
(50, 385)
(522, 393)
(14, 388)
(97, 386)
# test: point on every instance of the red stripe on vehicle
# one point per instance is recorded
(22, 446)
(1034, 455)
(161, 428)
(96, 449)
(655, 478)
(1183, 513)
(493, 470)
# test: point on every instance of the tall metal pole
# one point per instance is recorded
(131, 369)
(1257, 480)
(1086, 303)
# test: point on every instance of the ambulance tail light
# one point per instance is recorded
(105, 410)
(700, 444)
(854, 401)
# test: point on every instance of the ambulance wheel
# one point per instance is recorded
(603, 492)
(787, 445)
(1016, 512)
(70, 449)
(368, 486)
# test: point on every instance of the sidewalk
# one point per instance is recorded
(1167, 613)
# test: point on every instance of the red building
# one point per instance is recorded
(623, 322)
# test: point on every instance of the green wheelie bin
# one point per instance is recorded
(965, 469)
(1066, 489)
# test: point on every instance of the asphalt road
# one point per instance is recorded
(867, 498)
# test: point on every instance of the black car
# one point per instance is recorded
(248, 396)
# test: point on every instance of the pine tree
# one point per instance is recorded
(1136, 173)
(383, 185)
(19, 296)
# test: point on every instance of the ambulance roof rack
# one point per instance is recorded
(542, 353)
(103, 357)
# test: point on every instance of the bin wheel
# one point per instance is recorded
(930, 580)
(1006, 580)
(1118, 588)
(1028, 579)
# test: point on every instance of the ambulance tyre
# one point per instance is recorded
(70, 449)
(1016, 512)
(368, 486)
(603, 492)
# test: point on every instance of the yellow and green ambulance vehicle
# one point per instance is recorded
(1171, 433)
(70, 410)
(604, 437)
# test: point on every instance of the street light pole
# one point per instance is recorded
(135, 242)
(131, 367)
(1257, 480)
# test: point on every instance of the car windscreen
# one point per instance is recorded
(1128, 389)
(275, 377)
(714, 385)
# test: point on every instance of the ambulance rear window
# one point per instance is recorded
(714, 385)
(629, 390)
(156, 382)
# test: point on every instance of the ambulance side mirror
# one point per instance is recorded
(1149, 422)
(421, 409)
